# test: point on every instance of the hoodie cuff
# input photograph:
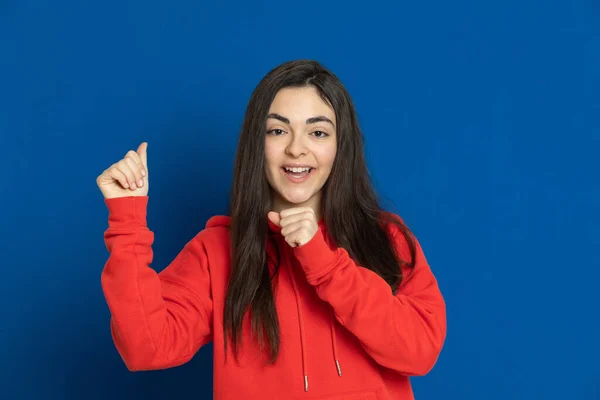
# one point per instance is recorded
(316, 258)
(127, 211)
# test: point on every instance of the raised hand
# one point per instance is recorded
(126, 177)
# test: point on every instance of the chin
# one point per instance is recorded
(297, 200)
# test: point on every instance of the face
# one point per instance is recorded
(300, 148)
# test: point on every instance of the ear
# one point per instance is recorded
(274, 217)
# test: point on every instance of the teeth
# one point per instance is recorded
(297, 170)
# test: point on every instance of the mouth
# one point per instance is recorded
(298, 174)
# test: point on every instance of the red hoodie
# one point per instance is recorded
(344, 335)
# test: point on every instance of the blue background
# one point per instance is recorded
(482, 127)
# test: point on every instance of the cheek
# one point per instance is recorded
(272, 162)
(270, 156)
(326, 157)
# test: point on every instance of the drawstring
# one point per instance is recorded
(333, 344)
(302, 344)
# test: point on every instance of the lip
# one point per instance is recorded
(297, 166)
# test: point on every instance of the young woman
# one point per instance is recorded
(308, 289)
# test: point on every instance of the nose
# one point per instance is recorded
(296, 147)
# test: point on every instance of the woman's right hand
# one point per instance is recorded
(126, 177)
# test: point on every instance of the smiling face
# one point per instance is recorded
(300, 148)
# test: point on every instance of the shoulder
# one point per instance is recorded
(400, 234)
(217, 227)
(394, 224)
(213, 238)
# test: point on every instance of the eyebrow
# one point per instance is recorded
(313, 120)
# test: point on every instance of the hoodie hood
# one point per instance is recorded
(219, 220)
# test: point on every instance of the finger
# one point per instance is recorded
(274, 217)
(137, 171)
(142, 151)
(124, 167)
(295, 210)
(296, 238)
(306, 215)
(138, 160)
(117, 175)
(296, 226)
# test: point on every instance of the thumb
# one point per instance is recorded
(274, 217)
(142, 152)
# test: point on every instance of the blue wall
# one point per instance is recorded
(482, 129)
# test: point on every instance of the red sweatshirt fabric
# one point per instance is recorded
(344, 335)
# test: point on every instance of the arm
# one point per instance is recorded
(157, 320)
(404, 332)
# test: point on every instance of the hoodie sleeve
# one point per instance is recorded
(157, 320)
(404, 332)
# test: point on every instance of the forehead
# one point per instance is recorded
(304, 102)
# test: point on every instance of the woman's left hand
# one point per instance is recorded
(298, 225)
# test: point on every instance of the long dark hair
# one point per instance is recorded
(350, 208)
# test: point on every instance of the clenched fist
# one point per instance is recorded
(126, 177)
(298, 225)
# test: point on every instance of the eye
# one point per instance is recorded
(320, 134)
(275, 132)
